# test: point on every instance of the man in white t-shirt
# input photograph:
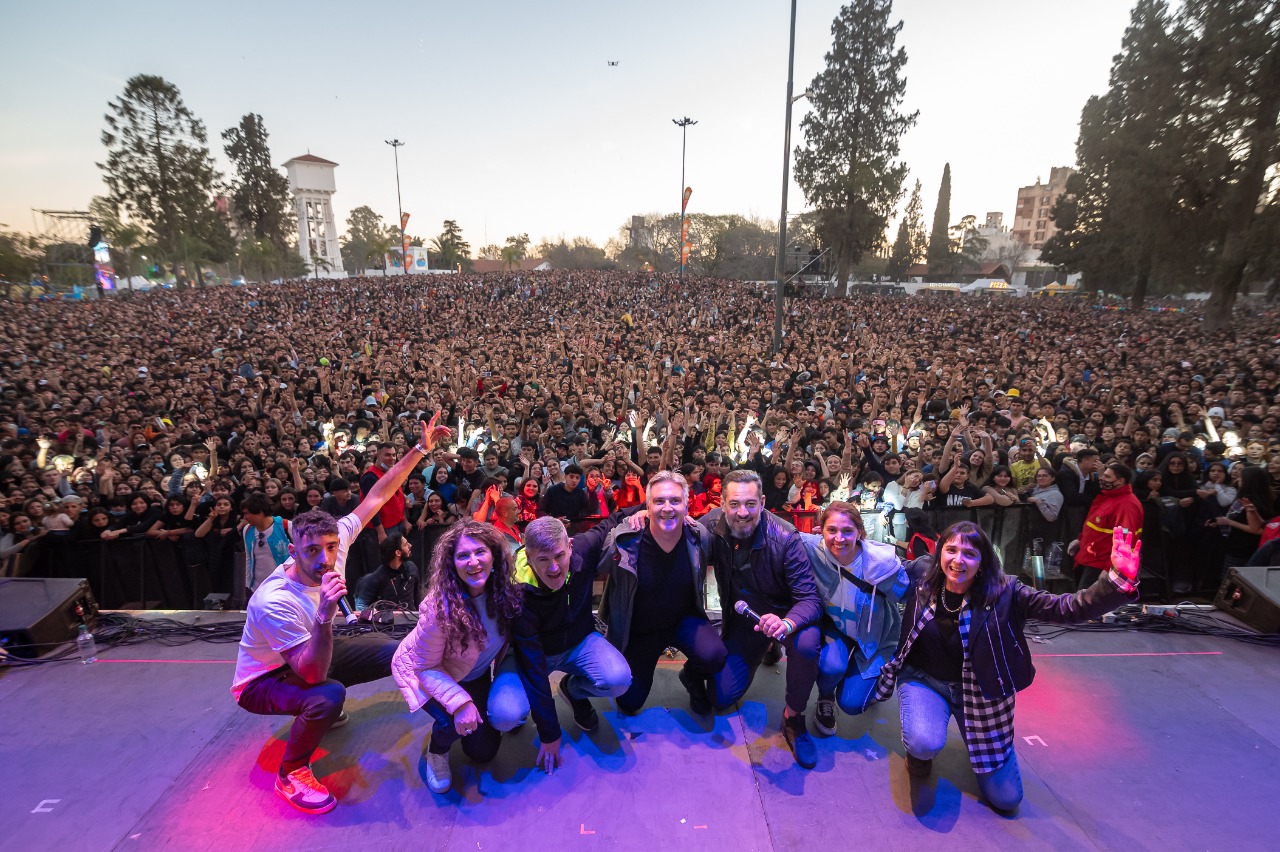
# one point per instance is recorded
(289, 662)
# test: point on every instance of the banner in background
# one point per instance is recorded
(684, 229)
(404, 240)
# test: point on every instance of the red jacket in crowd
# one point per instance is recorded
(1116, 507)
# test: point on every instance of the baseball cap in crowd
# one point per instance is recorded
(1217, 412)
(1171, 432)
(1013, 393)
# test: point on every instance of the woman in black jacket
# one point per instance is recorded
(963, 651)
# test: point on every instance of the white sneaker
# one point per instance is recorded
(439, 776)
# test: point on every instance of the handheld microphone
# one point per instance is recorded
(345, 607)
(741, 608)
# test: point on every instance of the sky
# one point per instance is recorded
(514, 121)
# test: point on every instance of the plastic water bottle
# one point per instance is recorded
(86, 646)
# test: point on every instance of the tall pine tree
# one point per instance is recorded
(1174, 158)
(158, 167)
(848, 167)
(910, 246)
(940, 248)
(260, 193)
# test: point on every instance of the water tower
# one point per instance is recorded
(311, 182)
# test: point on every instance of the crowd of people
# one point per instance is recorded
(160, 414)
(552, 428)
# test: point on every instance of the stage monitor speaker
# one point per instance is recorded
(37, 615)
(1252, 595)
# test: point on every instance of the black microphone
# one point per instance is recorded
(347, 614)
(741, 608)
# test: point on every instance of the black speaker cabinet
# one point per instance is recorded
(1253, 596)
(37, 615)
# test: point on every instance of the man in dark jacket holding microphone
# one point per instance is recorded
(760, 561)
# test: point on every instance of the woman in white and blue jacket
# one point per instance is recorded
(861, 583)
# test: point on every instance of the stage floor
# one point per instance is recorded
(1126, 741)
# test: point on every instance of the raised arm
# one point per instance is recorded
(395, 477)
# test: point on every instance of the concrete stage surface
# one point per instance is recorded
(1126, 740)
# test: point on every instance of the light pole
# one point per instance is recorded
(683, 124)
(778, 265)
(396, 145)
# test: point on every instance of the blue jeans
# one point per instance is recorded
(745, 651)
(481, 745)
(926, 705)
(593, 667)
(840, 676)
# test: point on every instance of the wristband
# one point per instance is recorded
(425, 452)
(791, 626)
(320, 620)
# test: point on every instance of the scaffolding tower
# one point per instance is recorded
(67, 259)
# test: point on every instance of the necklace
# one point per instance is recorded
(943, 600)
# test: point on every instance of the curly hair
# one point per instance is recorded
(446, 599)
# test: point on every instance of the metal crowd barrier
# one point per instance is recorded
(138, 572)
(1017, 531)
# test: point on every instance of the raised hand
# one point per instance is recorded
(432, 433)
(1126, 551)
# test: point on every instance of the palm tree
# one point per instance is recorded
(379, 246)
(319, 263)
(194, 252)
(126, 238)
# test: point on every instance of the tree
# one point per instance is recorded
(17, 258)
(451, 248)
(259, 193)
(848, 167)
(515, 250)
(365, 229)
(519, 246)
(969, 244)
(1239, 76)
(1129, 218)
(910, 246)
(580, 253)
(940, 247)
(380, 246)
(158, 167)
(1177, 159)
(1009, 252)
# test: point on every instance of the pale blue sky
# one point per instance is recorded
(513, 120)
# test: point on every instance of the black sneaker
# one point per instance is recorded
(584, 715)
(342, 719)
(696, 686)
(773, 654)
(919, 768)
(802, 745)
(824, 719)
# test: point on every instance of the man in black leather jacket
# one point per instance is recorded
(761, 560)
